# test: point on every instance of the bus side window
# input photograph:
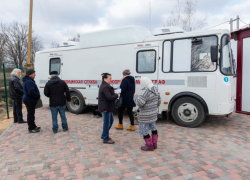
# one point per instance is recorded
(166, 56)
(201, 56)
(193, 54)
(145, 61)
(55, 65)
(182, 55)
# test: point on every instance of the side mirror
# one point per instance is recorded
(235, 68)
(214, 53)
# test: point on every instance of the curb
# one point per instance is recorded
(6, 130)
(10, 126)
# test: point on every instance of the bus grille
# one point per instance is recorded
(197, 81)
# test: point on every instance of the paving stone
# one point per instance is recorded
(218, 149)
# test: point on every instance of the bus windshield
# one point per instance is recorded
(226, 63)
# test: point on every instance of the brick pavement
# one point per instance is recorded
(218, 149)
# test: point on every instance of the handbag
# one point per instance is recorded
(39, 104)
(119, 101)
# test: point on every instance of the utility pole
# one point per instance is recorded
(231, 25)
(237, 23)
(29, 64)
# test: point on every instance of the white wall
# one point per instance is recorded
(246, 76)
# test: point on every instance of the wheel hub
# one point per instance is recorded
(74, 104)
(187, 112)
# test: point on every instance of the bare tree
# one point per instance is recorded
(183, 16)
(15, 49)
(2, 43)
(76, 38)
(36, 46)
(54, 44)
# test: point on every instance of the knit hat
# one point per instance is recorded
(126, 72)
(53, 73)
(30, 71)
(146, 82)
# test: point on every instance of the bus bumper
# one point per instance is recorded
(226, 108)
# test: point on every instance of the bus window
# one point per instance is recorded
(166, 56)
(193, 55)
(146, 61)
(182, 55)
(55, 65)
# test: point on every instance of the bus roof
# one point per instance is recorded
(122, 35)
(128, 35)
(186, 34)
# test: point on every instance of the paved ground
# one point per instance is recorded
(219, 149)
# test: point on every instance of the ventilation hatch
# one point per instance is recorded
(167, 30)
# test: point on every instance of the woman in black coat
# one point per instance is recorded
(127, 92)
(106, 105)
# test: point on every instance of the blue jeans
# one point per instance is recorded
(54, 113)
(108, 120)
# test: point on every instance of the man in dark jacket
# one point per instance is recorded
(127, 92)
(16, 94)
(56, 89)
(106, 105)
(30, 99)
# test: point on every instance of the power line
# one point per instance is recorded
(217, 25)
(244, 22)
(44, 14)
(49, 13)
(150, 15)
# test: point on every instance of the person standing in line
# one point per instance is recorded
(148, 102)
(127, 92)
(30, 99)
(106, 105)
(56, 89)
(16, 94)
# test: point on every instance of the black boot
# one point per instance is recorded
(22, 121)
(34, 131)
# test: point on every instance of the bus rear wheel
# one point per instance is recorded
(77, 103)
(188, 112)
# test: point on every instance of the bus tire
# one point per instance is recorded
(77, 104)
(188, 112)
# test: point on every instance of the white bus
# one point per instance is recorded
(194, 71)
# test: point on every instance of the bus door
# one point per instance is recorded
(55, 64)
(147, 60)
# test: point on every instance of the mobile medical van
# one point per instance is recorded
(193, 71)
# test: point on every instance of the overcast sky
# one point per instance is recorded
(57, 20)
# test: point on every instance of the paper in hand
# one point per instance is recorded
(118, 91)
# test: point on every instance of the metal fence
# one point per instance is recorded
(6, 103)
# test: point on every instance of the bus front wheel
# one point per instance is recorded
(188, 112)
